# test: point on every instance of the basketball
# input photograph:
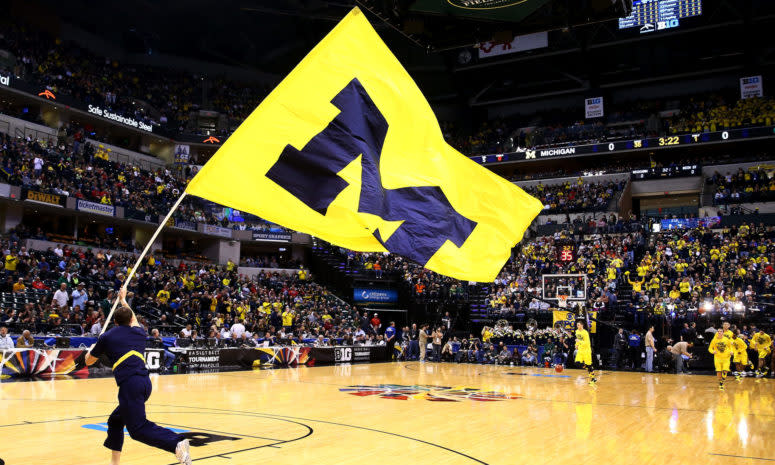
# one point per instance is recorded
(558, 368)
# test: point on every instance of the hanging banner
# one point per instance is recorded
(751, 86)
(519, 44)
(568, 320)
(216, 230)
(594, 107)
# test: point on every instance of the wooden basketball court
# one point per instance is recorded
(407, 413)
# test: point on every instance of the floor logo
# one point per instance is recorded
(428, 392)
(195, 438)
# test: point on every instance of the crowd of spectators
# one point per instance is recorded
(576, 196)
(756, 184)
(716, 113)
(69, 291)
(84, 171)
(159, 97)
(628, 120)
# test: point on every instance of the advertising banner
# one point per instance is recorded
(216, 230)
(271, 236)
(48, 199)
(46, 363)
(107, 114)
(519, 44)
(96, 208)
(375, 296)
(182, 224)
(689, 223)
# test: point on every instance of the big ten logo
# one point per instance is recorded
(153, 360)
(199, 439)
(669, 24)
(343, 354)
(343, 369)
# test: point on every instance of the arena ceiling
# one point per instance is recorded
(585, 50)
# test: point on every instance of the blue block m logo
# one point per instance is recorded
(310, 174)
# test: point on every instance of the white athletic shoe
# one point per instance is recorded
(181, 453)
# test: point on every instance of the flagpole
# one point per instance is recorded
(142, 255)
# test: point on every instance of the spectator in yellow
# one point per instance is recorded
(19, 286)
(637, 286)
(163, 296)
(11, 260)
(229, 265)
(302, 274)
(287, 319)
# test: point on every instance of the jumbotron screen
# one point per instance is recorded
(658, 15)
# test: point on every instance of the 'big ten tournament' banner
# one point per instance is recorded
(96, 208)
(594, 107)
(62, 362)
(350, 354)
(568, 320)
(751, 86)
(375, 296)
(42, 197)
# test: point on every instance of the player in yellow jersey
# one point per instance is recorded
(740, 355)
(584, 351)
(721, 348)
(762, 343)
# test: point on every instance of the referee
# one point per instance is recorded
(124, 345)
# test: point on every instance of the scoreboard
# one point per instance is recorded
(657, 15)
(619, 146)
(566, 252)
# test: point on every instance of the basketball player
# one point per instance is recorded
(584, 351)
(761, 342)
(721, 348)
(124, 346)
(740, 355)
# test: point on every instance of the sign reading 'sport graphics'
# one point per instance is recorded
(5, 80)
(119, 119)
(375, 296)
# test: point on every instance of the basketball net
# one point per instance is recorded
(562, 301)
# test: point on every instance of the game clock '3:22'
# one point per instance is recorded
(665, 141)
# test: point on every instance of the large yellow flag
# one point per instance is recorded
(347, 149)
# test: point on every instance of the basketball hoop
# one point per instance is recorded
(562, 301)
